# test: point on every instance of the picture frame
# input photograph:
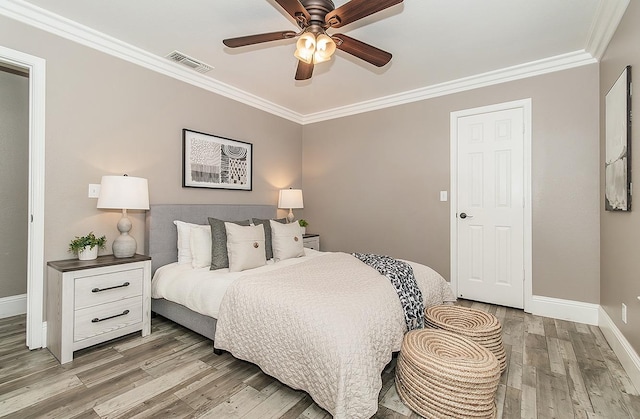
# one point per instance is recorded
(618, 144)
(214, 162)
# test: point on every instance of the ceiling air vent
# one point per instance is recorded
(187, 61)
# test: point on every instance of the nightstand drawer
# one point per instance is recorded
(311, 242)
(105, 288)
(94, 321)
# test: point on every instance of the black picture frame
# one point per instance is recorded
(617, 181)
(214, 162)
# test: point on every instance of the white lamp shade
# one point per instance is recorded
(124, 192)
(290, 198)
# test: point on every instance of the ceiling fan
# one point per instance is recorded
(314, 45)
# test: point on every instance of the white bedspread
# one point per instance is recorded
(327, 326)
(201, 289)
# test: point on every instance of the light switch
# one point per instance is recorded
(443, 196)
(94, 190)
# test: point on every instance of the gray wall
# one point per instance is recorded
(14, 173)
(620, 232)
(371, 181)
(108, 116)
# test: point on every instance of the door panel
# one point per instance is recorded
(490, 253)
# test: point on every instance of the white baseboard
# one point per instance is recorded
(574, 311)
(13, 305)
(626, 354)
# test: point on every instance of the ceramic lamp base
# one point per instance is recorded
(124, 246)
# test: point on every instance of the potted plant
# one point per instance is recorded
(303, 223)
(86, 247)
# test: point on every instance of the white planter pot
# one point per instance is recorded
(88, 254)
(304, 230)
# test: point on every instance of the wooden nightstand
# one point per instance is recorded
(89, 302)
(311, 241)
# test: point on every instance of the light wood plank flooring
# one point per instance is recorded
(556, 369)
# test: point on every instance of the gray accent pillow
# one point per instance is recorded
(219, 256)
(268, 248)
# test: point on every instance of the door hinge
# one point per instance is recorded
(31, 217)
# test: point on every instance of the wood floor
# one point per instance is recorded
(556, 369)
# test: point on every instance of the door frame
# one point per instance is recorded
(36, 329)
(525, 105)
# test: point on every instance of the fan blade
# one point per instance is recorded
(304, 71)
(257, 39)
(361, 50)
(357, 9)
(294, 8)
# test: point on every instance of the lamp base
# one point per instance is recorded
(124, 246)
(290, 216)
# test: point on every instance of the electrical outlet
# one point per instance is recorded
(443, 196)
(624, 313)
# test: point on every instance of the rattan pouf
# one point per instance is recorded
(477, 325)
(440, 375)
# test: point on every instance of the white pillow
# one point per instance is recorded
(286, 240)
(245, 247)
(184, 241)
(200, 241)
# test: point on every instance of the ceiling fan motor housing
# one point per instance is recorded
(318, 9)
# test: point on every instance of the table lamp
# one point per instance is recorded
(290, 198)
(123, 193)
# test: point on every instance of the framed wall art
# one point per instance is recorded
(617, 196)
(209, 161)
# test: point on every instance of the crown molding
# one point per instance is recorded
(68, 29)
(607, 18)
(521, 71)
(605, 23)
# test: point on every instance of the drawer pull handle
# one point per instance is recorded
(126, 284)
(96, 320)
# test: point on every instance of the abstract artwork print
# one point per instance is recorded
(215, 162)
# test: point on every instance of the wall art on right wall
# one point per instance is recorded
(617, 178)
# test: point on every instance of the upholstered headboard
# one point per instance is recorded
(161, 235)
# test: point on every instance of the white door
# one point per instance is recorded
(490, 207)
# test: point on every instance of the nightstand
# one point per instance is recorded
(89, 302)
(311, 241)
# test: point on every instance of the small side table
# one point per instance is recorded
(89, 302)
(311, 241)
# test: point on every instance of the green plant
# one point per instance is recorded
(90, 240)
(303, 223)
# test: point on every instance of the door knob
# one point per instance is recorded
(464, 215)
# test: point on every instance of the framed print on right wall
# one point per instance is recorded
(617, 177)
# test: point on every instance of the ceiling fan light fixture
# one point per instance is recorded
(305, 47)
(325, 47)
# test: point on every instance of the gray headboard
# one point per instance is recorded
(161, 235)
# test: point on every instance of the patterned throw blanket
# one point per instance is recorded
(401, 276)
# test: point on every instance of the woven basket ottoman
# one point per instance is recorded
(477, 325)
(440, 375)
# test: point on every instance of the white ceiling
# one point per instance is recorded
(432, 42)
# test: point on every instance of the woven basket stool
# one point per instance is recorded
(477, 325)
(440, 375)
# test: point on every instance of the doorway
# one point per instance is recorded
(35, 66)
(14, 188)
(491, 204)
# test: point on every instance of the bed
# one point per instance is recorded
(324, 323)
